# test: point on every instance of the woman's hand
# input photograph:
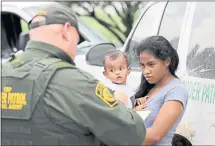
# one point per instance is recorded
(141, 103)
(140, 107)
(142, 100)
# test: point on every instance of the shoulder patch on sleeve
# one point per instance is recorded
(105, 95)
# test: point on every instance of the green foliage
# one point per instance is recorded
(115, 24)
(92, 23)
(101, 14)
(24, 25)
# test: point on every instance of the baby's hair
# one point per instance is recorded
(114, 54)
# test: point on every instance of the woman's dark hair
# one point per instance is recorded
(161, 49)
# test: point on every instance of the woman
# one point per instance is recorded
(166, 95)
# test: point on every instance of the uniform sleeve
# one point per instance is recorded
(85, 101)
(178, 93)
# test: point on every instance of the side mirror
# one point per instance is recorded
(96, 53)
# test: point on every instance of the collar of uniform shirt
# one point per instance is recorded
(50, 49)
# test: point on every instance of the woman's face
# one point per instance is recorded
(153, 68)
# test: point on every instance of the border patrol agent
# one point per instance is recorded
(46, 100)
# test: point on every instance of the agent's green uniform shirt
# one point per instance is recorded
(79, 103)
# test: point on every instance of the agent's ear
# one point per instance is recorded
(65, 30)
(167, 61)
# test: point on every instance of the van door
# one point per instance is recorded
(147, 25)
(198, 57)
(13, 28)
(170, 15)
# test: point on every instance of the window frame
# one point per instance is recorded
(13, 10)
(16, 11)
(184, 39)
(126, 47)
(183, 21)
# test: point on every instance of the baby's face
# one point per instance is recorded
(117, 70)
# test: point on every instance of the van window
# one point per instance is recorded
(24, 25)
(201, 52)
(172, 21)
(145, 28)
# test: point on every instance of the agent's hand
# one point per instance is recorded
(121, 96)
(142, 100)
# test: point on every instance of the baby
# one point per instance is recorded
(116, 69)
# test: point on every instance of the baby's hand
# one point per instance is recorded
(121, 96)
(142, 100)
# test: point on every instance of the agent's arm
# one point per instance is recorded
(88, 103)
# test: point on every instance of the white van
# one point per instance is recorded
(189, 26)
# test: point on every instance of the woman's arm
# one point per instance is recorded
(166, 118)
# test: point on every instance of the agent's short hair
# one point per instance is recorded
(114, 54)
